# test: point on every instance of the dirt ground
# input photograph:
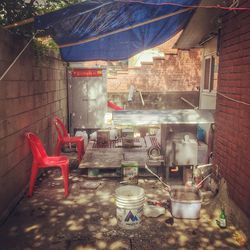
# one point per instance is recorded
(86, 219)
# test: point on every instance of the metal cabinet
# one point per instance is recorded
(87, 98)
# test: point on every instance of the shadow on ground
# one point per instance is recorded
(86, 219)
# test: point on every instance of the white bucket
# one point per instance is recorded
(129, 206)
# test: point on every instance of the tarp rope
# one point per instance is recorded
(125, 29)
(25, 47)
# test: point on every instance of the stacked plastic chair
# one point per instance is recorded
(63, 138)
(42, 160)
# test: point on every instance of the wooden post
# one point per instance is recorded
(20, 23)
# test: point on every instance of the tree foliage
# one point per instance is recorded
(12, 11)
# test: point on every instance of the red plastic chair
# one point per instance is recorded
(63, 138)
(42, 160)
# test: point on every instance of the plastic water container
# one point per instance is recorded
(85, 137)
(93, 136)
(201, 134)
(113, 134)
(129, 206)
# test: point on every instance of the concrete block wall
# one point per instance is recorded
(232, 135)
(33, 91)
(177, 71)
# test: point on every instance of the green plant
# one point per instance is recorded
(12, 11)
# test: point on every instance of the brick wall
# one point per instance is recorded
(31, 93)
(160, 101)
(233, 119)
(177, 71)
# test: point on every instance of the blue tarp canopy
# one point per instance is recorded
(113, 29)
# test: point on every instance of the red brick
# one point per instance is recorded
(232, 118)
(178, 72)
(245, 36)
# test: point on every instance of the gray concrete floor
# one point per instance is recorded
(86, 219)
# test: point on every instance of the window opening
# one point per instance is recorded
(209, 74)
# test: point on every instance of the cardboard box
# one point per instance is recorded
(130, 171)
(103, 137)
(127, 137)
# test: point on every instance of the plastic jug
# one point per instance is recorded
(85, 137)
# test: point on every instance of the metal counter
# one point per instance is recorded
(161, 117)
